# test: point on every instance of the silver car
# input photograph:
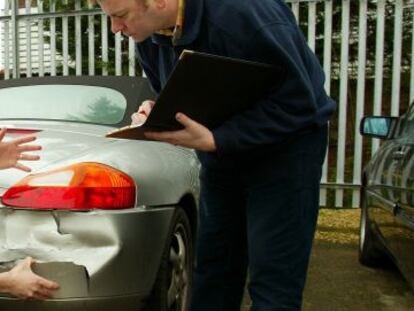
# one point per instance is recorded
(112, 221)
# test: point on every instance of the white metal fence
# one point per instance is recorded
(365, 47)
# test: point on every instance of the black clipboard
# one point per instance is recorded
(209, 89)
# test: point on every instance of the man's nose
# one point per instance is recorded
(116, 26)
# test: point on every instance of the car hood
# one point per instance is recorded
(60, 141)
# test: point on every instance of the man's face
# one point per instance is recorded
(134, 18)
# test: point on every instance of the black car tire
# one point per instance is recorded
(371, 252)
(172, 288)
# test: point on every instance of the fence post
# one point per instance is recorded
(78, 40)
(342, 103)
(65, 42)
(15, 38)
(360, 100)
(412, 61)
(327, 58)
(53, 39)
(28, 9)
(40, 42)
(396, 61)
(91, 43)
(118, 54)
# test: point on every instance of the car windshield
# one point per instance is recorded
(90, 104)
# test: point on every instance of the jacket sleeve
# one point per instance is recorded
(299, 102)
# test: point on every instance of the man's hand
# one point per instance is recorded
(194, 135)
(139, 117)
(21, 282)
(14, 151)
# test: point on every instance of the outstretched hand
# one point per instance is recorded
(194, 135)
(13, 151)
(22, 283)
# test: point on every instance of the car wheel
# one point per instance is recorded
(172, 288)
(371, 253)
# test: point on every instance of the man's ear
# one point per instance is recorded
(160, 4)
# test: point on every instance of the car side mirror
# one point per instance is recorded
(378, 127)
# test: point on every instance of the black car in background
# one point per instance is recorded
(387, 205)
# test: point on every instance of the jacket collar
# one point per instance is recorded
(192, 21)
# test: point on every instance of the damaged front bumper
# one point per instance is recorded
(97, 257)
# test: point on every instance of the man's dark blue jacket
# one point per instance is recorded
(264, 31)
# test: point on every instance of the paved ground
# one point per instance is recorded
(336, 280)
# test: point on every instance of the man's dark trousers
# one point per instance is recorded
(259, 211)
